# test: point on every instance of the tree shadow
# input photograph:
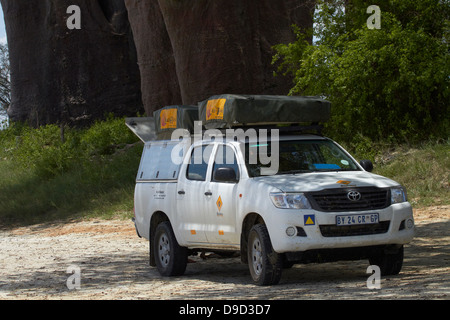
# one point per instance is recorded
(216, 278)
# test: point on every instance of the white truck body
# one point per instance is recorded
(218, 215)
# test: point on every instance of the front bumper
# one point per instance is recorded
(320, 231)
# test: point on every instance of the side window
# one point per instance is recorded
(225, 158)
(198, 164)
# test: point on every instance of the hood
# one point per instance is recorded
(316, 181)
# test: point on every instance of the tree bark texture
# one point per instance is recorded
(134, 53)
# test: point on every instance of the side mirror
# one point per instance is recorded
(367, 165)
(225, 174)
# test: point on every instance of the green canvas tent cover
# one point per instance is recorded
(231, 110)
(170, 118)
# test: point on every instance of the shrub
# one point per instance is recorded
(104, 137)
(44, 178)
(390, 84)
(43, 151)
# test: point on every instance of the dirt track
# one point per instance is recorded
(113, 263)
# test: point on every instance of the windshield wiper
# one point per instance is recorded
(333, 170)
(293, 171)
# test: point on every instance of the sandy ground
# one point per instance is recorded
(113, 264)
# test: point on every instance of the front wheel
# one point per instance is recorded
(264, 263)
(170, 257)
(390, 263)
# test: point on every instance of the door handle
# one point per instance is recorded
(208, 193)
(181, 192)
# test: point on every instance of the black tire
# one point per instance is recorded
(389, 263)
(264, 263)
(287, 264)
(170, 257)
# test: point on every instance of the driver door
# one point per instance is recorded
(221, 205)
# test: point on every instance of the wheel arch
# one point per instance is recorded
(249, 221)
(155, 220)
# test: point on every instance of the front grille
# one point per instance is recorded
(336, 200)
(331, 230)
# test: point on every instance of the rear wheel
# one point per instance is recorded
(170, 257)
(264, 263)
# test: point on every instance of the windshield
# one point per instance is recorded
(298, 156)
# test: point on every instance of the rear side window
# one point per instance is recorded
(158, 161)
(198, 164)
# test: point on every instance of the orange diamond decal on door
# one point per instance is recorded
(219, 203)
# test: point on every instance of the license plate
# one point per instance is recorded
(354, 219)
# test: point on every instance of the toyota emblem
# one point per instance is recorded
(354, 195)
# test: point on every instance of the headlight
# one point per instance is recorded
(290, 200)
(398, 195)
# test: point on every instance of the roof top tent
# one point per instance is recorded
(286, 113)
(171, 118)
(164, 122)
(231, 110)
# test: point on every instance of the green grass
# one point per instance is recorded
(424, 171)
(43, 179)
(92, 173)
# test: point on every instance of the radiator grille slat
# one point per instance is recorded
(336, 200)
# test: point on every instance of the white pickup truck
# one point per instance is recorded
(317, 204)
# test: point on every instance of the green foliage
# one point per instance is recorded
(90, 171)
(42, 151)
(104, 137)
(48, 151)
(390, 84)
